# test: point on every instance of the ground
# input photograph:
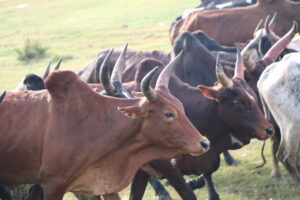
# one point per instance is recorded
(76, 30)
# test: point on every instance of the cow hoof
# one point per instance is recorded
(233, 163)
(165, 198)
(276, 175)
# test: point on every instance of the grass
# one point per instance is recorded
(77, 30)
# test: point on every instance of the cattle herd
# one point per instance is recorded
(138, 116)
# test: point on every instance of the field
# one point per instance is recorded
(76, 30)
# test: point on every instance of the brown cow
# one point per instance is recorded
(232, 25)
(70, 138)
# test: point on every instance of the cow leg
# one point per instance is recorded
(196, 182)
(86, 198)
(53, 191)
(292, 169)
(161, 192)
(114, 196)
(138, 185)
(4, 193)
(35, 193)
(275, 145)
(176, 179)
(212, 193)
(229, 159)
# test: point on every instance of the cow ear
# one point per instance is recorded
(209, 92)
(133, 112)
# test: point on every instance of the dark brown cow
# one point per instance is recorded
(80, 141)
(232, 25)
(225, 111)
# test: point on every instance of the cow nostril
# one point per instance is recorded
(205, 144)
(270, 131)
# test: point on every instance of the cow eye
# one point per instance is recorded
(169, 115)
(240, 103)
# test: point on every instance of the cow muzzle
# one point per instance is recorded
(204, 146)
(266, 133)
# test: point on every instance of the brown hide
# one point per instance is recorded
(90, 73)
(73, 139)
(232, 25)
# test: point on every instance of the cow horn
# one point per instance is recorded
(2, 96)
(224, 80)
(58, 64)
(105, 75)
(239, 65)
(147, 90)
(279, 46)
(266, 25)
(119, 67)
(270, 29)
(248, 51)
(258, 26)
(46, 73)
(165, 75)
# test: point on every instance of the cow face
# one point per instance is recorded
(34, 81)
(163, 119)
(237, 105)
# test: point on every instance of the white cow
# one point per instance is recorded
(279, 87)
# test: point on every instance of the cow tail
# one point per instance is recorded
(262, 156)
(268, 117)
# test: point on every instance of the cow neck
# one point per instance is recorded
(201, 111)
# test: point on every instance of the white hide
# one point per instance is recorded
(279, 87)
(295, 44)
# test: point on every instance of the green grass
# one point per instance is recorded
(78, 29)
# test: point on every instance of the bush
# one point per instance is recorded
(31, 50)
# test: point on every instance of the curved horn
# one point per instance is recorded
(271, 26)
(165, 75)
(2, 96)
(147, 90)
(105, 75)
(58, 64)
(280, 45)
(239, 65)
(119, 67)
(266, 25)
(249, 50)
(258, 26)
(224, 80)
(46, 73)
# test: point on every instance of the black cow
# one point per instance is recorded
(34, 81)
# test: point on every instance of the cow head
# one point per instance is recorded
(237, 105)
(34, 81)
(164, 120)
(196, 55)
(2, 96)
(112, 84)
(255, 67)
